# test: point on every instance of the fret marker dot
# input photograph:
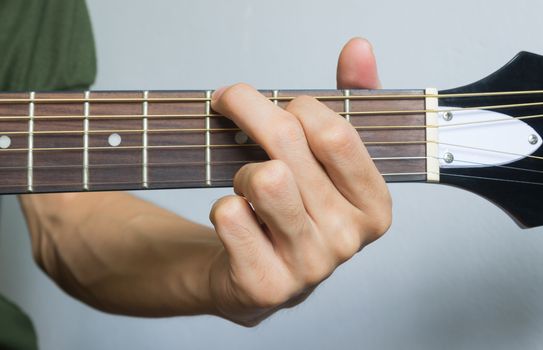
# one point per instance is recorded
(5, 141)
(114, 140)
(241, 137)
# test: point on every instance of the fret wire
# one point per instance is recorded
(351, 113)
(347, 105)
(30, 173)
(369, 143)
(86, 127)
(275, 96)
(144, 153)
(60, 132)
(208, 138)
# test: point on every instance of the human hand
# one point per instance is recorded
(295, 218)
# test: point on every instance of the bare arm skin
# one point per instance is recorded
(316, 203)
(122, 254)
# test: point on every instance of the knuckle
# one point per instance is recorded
(345, 238)
(270, 290)
(380, 222)
(384, 223)
(240, 175)
(39, 252)
(268, 293)
(316, 273)
(227, 210)
(340, 138)
(250, 322)
(317, 266)
(270, 298)
(347, 244)
(270, 179)
(385, 217)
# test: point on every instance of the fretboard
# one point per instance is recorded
(95, 141)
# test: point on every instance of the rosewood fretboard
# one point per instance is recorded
(93, 141)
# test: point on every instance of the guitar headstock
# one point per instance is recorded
(516, 182)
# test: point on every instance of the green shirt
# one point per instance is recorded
(44, 45)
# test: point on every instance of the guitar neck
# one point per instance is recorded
(96, 141)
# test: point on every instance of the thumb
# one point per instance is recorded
(357, 67)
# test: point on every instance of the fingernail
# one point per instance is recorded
(217, 93)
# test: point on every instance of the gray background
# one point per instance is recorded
(453, 272)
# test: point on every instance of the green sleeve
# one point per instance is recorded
(16, 330)
(44, 45)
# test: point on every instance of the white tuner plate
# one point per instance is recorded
(481, 138)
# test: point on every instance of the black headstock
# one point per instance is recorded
(518, 192)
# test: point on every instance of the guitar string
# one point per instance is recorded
(490, 178)
(180, 146)
(234, 162)
(488, 150)
(485, 165)
(190, 181)
(229, 181)
(177, 130)
(192, 146)
(195, 130)
(160, 164)
(242, 162)
(533, 116)
(374, 96)
(352, 113)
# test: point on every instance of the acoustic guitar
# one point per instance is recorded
(484, 137)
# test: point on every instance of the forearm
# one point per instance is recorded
(122, 254)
